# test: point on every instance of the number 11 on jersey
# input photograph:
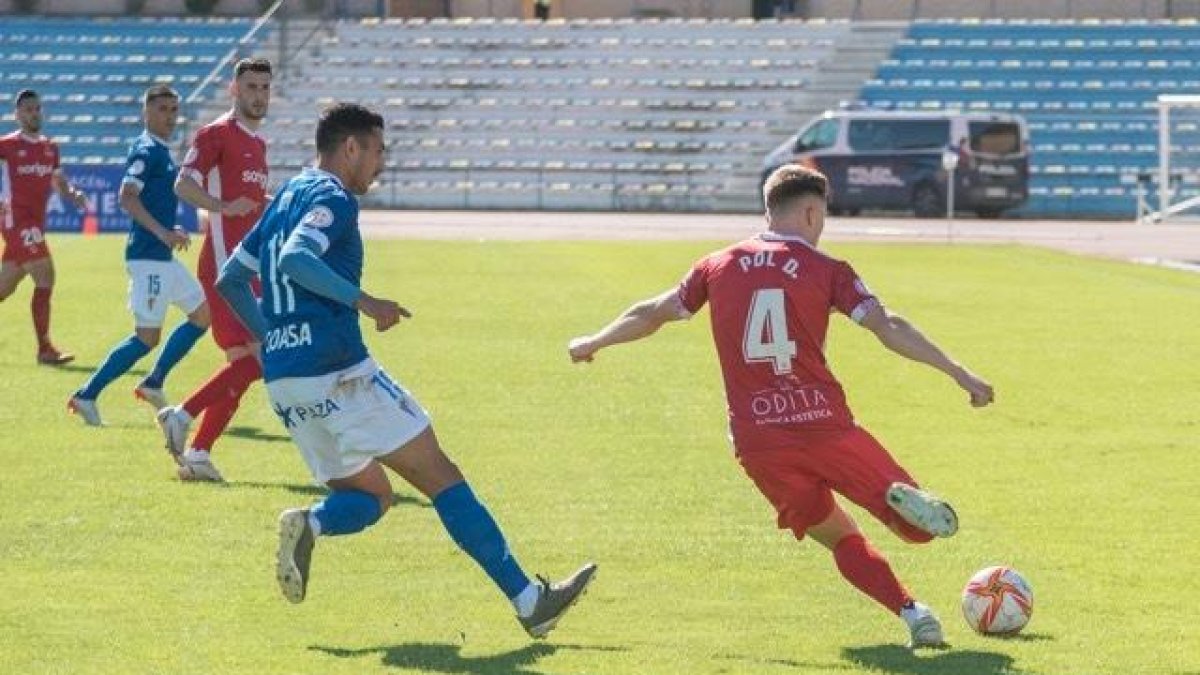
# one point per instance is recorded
(766, 331)
(283, 297)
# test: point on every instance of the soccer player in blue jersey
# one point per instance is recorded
(347, 416)
(156, 279)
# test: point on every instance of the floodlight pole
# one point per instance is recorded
(949, 163)
(1164, 151)
(950, 196)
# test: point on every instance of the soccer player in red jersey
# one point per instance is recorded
(770, 298)
(29, 163)
(224, 173)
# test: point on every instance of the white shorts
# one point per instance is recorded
(156, 284)
(343, 420)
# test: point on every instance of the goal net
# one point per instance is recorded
(1174, 190)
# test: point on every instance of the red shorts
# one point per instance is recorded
(227, 329)
(800, 482)
(24, 244)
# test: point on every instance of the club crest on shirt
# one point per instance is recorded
(320, 217)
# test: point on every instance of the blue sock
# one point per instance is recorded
(178, 345)
(116, 364)
(472, 528)
(347, 512)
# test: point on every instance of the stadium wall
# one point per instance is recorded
(177, 7)
(867, 10)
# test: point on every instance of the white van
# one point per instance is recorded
(879, 159)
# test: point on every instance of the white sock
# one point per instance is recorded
(187, 417)
(526, 600)
(314, 524)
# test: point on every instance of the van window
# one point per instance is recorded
(888, 135)
(823, 134)
(995, 138)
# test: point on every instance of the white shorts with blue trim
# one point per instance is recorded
(343, 420)
(154, 285)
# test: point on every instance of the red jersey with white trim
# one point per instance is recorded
(229, 161)
(28, 167)
(770, 299)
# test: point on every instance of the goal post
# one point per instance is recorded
(1178, 179)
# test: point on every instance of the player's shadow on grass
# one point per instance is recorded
(76, 367)
(897, 659)
(256, 434)
(318, 491)
(448, 658)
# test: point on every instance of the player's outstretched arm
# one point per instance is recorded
(234, 284)
(641, 320)
(903, 338)
(301, 260)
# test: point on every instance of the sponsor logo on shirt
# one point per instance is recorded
(288, 337)
(788, 404)
(256, 177)
(39, 170)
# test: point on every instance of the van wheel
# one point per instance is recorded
(927, 201)
(990, 214)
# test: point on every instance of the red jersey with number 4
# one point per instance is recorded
(229, 161)
(28, 166)
(770, 299)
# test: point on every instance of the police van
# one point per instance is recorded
(879, 159)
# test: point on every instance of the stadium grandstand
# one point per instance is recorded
(633, 104)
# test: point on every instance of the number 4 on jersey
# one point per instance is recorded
(766, 331)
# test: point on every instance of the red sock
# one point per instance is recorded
(40, 307)
(238, 376)
(869, 571)
(224, 381)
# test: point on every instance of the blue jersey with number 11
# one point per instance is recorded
(307, 334)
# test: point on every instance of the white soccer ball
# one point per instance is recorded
(997, 601)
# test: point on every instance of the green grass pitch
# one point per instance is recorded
(1083, 476)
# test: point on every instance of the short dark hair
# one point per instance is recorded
(792, 181)
(159, 91)
(25, 94)
(252, 66)
(342, 120)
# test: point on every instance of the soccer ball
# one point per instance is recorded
(997, 601)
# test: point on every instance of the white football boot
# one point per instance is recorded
(86, 409)
(294, 555)
(197, 466)
(155, 397)
(925, 630)
(174, 423)
(922, 510)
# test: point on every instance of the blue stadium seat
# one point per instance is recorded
(1087, 88)
(91, 72)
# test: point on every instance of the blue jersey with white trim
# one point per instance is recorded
(149, 166)
(307, 334)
